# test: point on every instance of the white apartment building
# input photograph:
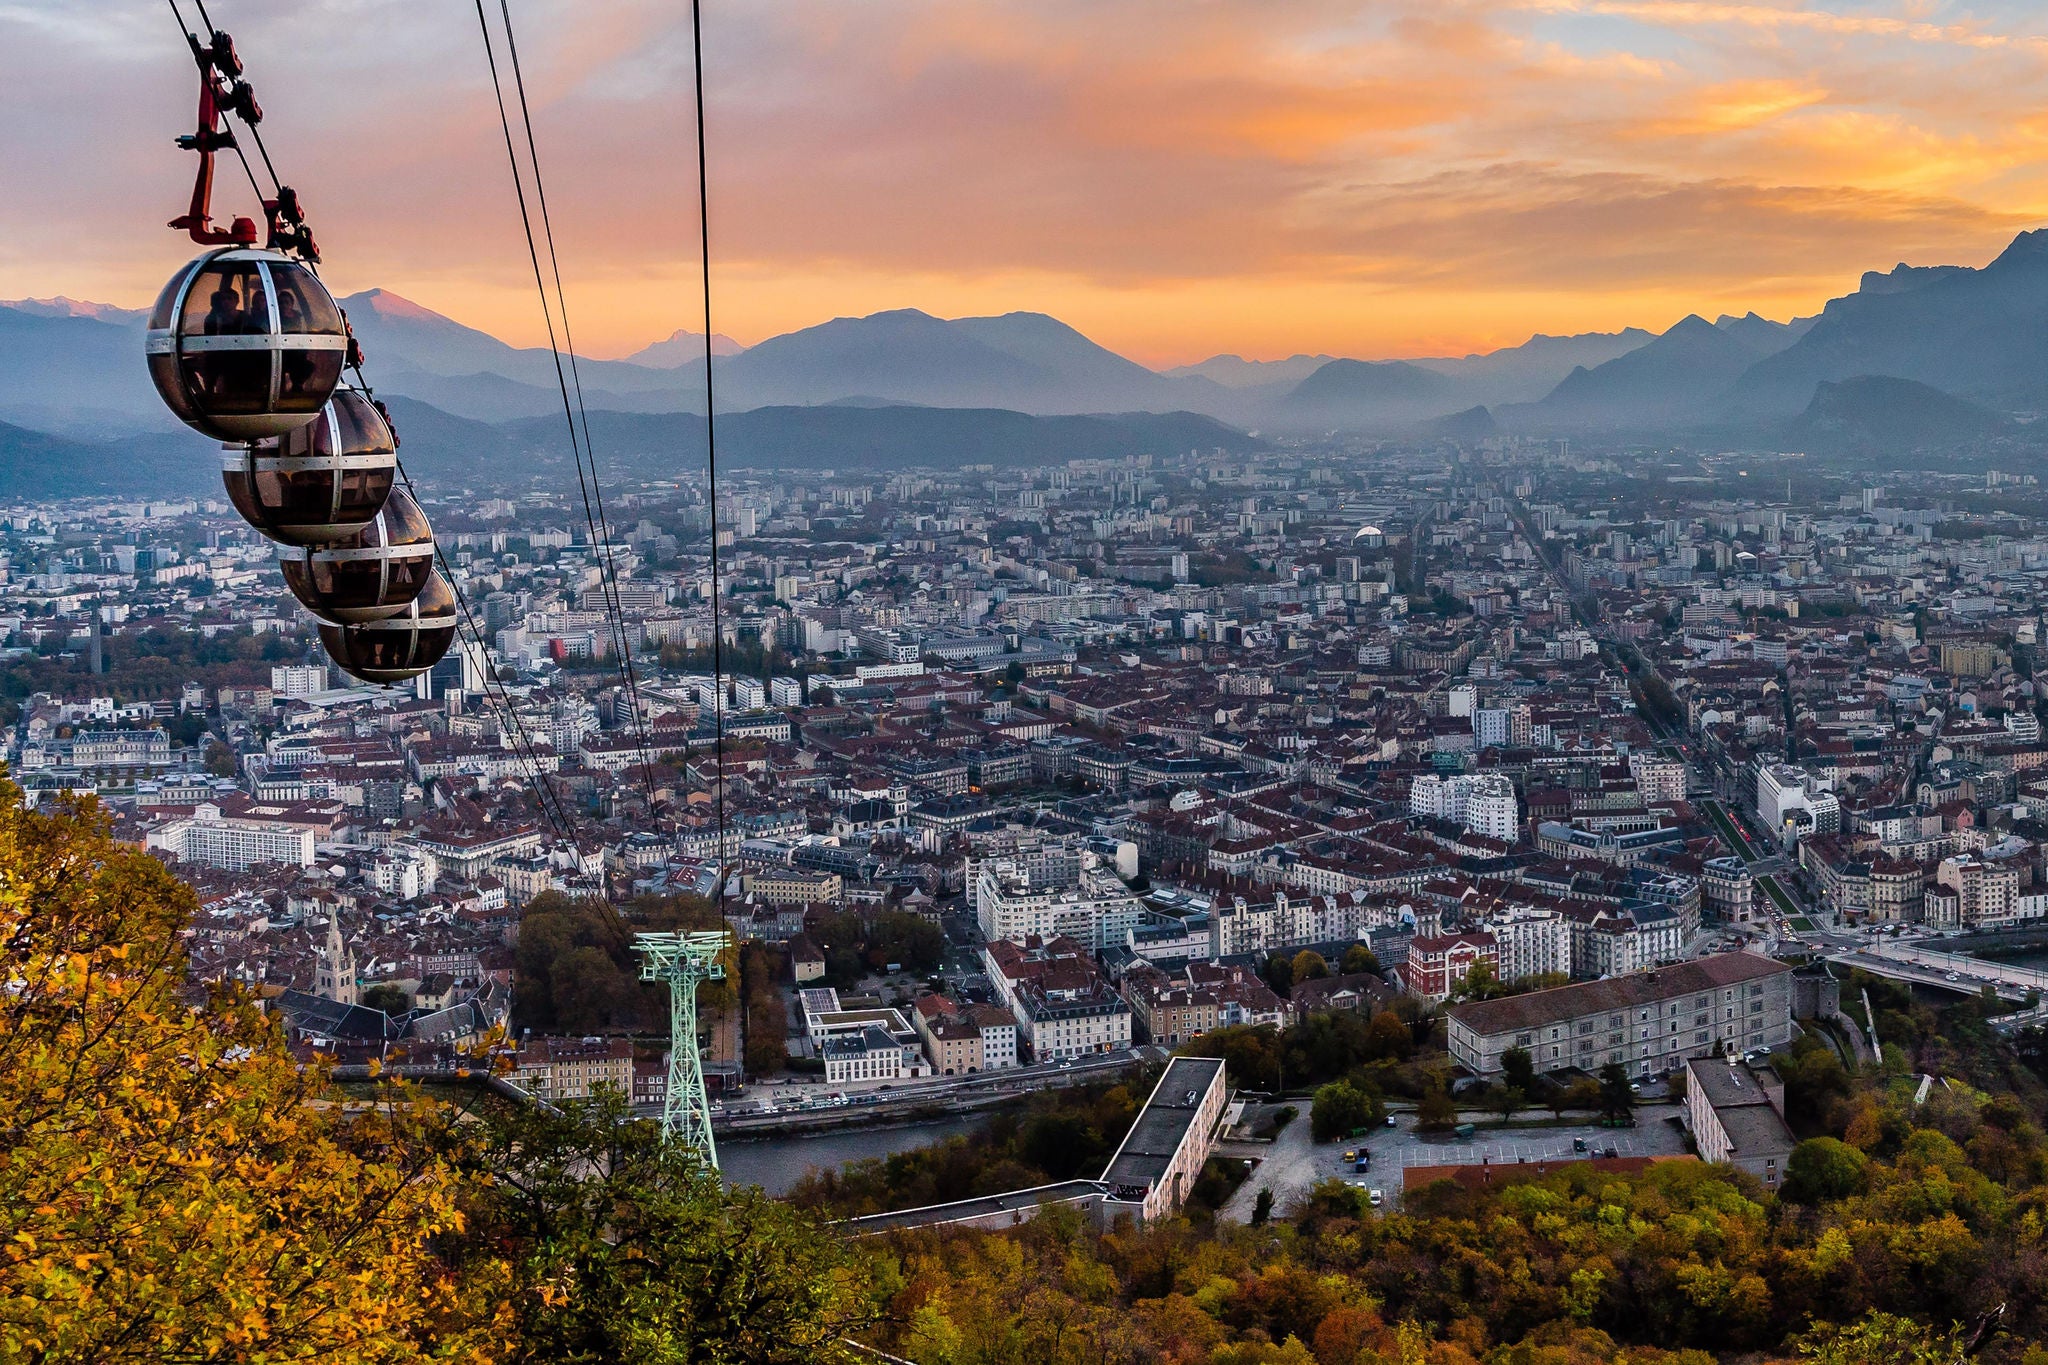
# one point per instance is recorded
(1532, 943)
(1987, 891)
(1483, 803)
(873, 1054)
(232, 844)
(1791, 802)
(1656, 777)
(404, 876)
(1058, 893)
(298, 680)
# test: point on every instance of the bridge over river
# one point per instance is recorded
(1957, 972)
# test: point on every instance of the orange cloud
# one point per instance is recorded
(1261, 176)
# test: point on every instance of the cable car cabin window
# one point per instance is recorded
(321, 483)
(228, 301)
(306, 376)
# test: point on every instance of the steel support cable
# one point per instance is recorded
(608, 577)
(710, 439)
(557, 817)
(551, 805)
(554, 347)
(547, 315)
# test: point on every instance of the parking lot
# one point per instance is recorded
(1294, 1164)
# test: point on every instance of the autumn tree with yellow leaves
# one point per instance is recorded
(167, 1193)
(176, 1186)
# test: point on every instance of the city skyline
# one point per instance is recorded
(1383, 180)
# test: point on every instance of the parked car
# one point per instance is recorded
(1377, 1198)
(1578, 1144)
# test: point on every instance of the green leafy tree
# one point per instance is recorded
(1617, 1101)
(170, 1189)
(621, 1246)
(1279, 973)
(1388, 1036)
(387, 997)
(1309, 966)
(1481, 982)
(1584, 1095)
(1879, 1338)
(1518, 1069)
(1341, 1107)
(1436, 1111)
(1822, 1169)
(1359, 958)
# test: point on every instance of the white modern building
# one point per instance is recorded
(1793, 803)
(1483, 803)
(206, 838)
(298, 680)
(1059, 891)
(1532, 943)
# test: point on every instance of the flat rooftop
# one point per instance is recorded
(1163, 1124)
(962, 1210)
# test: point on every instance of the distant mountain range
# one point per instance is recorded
(1921, 354)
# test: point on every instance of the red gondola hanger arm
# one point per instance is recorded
(223, 92)
(216, 60)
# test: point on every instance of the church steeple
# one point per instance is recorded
(334, 967)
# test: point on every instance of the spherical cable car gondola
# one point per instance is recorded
(321, 483)
(245, 344)
(398, 647)
(370, 575)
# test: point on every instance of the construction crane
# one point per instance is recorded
(684, 960)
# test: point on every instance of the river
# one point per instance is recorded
(777, 1163)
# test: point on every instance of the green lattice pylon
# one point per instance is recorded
(683, 960)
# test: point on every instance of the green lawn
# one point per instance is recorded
(1778, 897)
(1728, 833)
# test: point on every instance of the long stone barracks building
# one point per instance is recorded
(1163, 1153)
(1650, 1022)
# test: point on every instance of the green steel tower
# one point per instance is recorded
(683, 960)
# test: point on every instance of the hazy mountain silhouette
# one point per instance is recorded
(1235, 372)
(36, 465)
(682, 347)
(73, 369)
(1525, 373)
(1669, 379)
(75, 373)
(415, 351)
(1882, 414)
(1022, 361)
(1364, 393)
(827, 436)
(1980, 334)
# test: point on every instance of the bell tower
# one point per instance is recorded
(334, 968)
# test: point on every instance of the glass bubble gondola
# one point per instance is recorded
(245, 344)
(321, 483)
(370, 575)
(397, 647)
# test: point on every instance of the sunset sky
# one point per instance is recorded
(1177, 178)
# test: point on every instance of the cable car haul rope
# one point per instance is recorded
(247, 345)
